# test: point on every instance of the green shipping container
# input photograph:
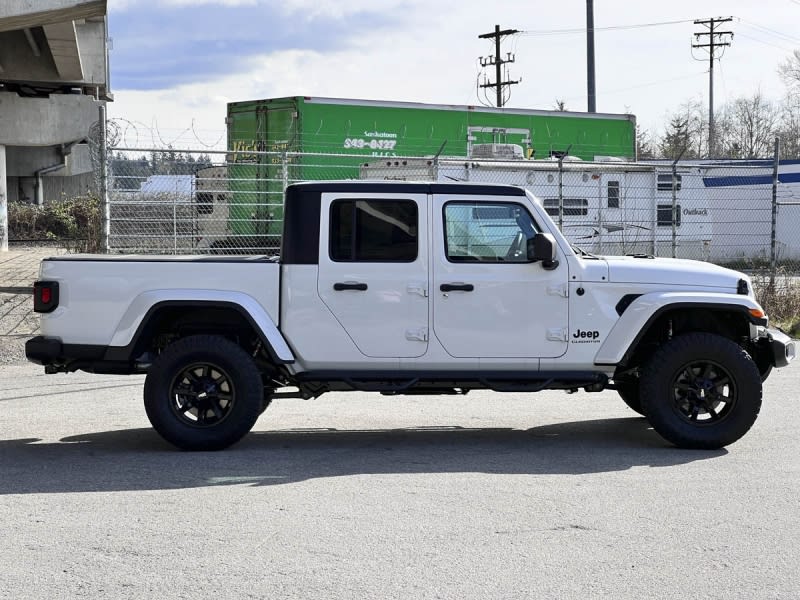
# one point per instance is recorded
(369, 129)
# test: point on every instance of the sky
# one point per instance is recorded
(175, 64)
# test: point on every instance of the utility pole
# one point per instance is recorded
(590, 56)
(716, 40)
(498, 62)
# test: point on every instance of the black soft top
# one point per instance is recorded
(300, 242)
(410, 187)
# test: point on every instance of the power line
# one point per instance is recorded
(582, 30)
(774, 32)
(639, 86)
(766, 43)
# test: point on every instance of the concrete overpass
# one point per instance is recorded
(54, 77)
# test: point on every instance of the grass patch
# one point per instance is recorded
(76, 223)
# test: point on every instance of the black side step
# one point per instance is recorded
(394, 387)
(394, 382)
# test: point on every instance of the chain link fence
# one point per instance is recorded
(745, 214)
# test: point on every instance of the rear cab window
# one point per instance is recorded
(374, 230)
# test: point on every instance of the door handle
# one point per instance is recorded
(456, 287)
(350, 285)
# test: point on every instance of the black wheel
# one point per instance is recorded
(203, 393)
(629, 392)
(701, 390)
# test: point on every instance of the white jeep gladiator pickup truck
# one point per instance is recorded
(412, 288)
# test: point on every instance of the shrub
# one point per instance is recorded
(779, 296)
(75, 222)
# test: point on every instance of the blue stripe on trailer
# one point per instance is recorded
(737, 180)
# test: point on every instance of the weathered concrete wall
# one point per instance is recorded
(22, 161)
(21, 64)
(22, 14)
(64, 188)
(13, 189)
(92, 42)
(22, 189)
(58, 119)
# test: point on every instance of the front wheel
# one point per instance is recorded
(629, 392)
(203, 392)
(701, 390)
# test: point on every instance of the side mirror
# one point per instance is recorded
(542, 247)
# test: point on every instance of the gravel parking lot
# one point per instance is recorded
(363, 496)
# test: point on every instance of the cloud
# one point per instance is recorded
(175, 43)
(410, 50)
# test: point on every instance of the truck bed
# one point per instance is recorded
(101, 296)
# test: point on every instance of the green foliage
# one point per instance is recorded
(75, 222)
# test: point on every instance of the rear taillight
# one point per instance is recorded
(45, 296)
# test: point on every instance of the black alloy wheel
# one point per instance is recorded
(202, 395)
(704, 393)
(701, 390)
(203, 392)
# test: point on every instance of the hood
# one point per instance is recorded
(672, 271)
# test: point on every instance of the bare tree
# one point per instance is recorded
(789, 70)
(789, 129)
(686, 132)
(748, 126)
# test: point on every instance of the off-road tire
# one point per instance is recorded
(203, 392)
(629, 392)
(701, 390)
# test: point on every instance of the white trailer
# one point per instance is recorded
(211, 198)
(741, 199)
(606, 207)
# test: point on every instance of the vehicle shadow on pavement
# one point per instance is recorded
(137, 459)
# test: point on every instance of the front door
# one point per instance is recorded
(489, 300)
(373, 273)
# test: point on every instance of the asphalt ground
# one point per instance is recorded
(355, 495)
(362, 496)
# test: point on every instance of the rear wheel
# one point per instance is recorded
(203, 392)
(701, 390)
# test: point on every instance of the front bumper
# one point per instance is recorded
(784, 348)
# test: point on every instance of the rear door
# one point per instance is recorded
(373, 273)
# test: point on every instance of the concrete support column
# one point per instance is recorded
(39, 191)
(3, 201)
